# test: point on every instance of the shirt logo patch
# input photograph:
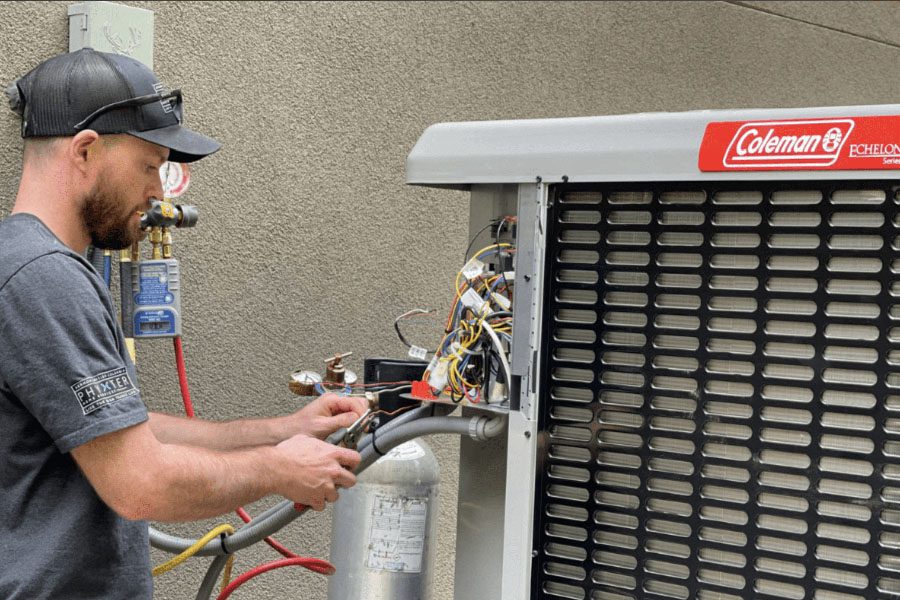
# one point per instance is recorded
(103, 389)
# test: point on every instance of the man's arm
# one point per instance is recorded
(227, 435)
(319, 418)
(142, 478)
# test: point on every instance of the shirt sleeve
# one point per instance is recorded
(61, 352)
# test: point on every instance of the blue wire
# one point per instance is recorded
(320, 389)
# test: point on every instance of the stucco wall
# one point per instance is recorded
(309, 242)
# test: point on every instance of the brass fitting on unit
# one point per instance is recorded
(156, 242)
(166, 242)
(335, 369)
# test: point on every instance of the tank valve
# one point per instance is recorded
(335, 372)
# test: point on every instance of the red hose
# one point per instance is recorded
(275, 544)
(182, 379)
(312, 564)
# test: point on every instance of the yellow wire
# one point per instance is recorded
(485, 249)
(226, 574)
(456, 285)
(492, 246)
(466, 333)
(198, 545)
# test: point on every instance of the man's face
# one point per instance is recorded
(128, 177)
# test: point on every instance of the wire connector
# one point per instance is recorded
(473, 301)
(439, 376)
(418, 352)
(501, 301)
(473, 269)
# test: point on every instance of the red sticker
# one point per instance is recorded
(845, 143)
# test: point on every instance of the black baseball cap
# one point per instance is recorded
(108, 93)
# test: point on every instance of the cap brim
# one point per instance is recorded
(184, 145)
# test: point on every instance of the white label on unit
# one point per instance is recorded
(397, 537)
(408, 451)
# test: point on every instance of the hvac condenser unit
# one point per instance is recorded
(706, 355)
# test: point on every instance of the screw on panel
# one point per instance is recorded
(565, 178)
(527, 434)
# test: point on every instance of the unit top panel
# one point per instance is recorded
(843, 142)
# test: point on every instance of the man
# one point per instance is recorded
(82, 464)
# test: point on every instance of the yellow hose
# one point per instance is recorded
(174, 562)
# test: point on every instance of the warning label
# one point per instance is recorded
(397, 537)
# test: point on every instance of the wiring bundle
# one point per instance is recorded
(470, 364)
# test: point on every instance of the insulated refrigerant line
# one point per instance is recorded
(479, 428)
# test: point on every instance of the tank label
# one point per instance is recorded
(408, 451)
(397, 537)
(850, 143)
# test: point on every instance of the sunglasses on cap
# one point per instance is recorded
(166, 100)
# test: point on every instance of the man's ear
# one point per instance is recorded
(82, 149)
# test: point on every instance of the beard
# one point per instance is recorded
(106, 215)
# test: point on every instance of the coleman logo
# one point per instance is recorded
(773, 144)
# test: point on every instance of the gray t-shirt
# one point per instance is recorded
(65, 379)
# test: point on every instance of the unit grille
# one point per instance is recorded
(720, 412)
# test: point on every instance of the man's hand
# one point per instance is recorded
(315, 470)
(326, 414)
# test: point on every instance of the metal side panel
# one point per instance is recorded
(483, 465)
(720, 412)
(518, 537)
(479, 518)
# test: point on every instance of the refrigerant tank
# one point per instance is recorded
(383, 531)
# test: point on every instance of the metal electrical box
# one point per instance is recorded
(111, 27)
(706, 345)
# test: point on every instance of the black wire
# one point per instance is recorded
(475, 237)
(400, 334)
(453, 397)
(407, 314)
(486, 379)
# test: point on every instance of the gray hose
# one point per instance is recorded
(211, 577)
(177, 545)
(438, 409)
(478, 427)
